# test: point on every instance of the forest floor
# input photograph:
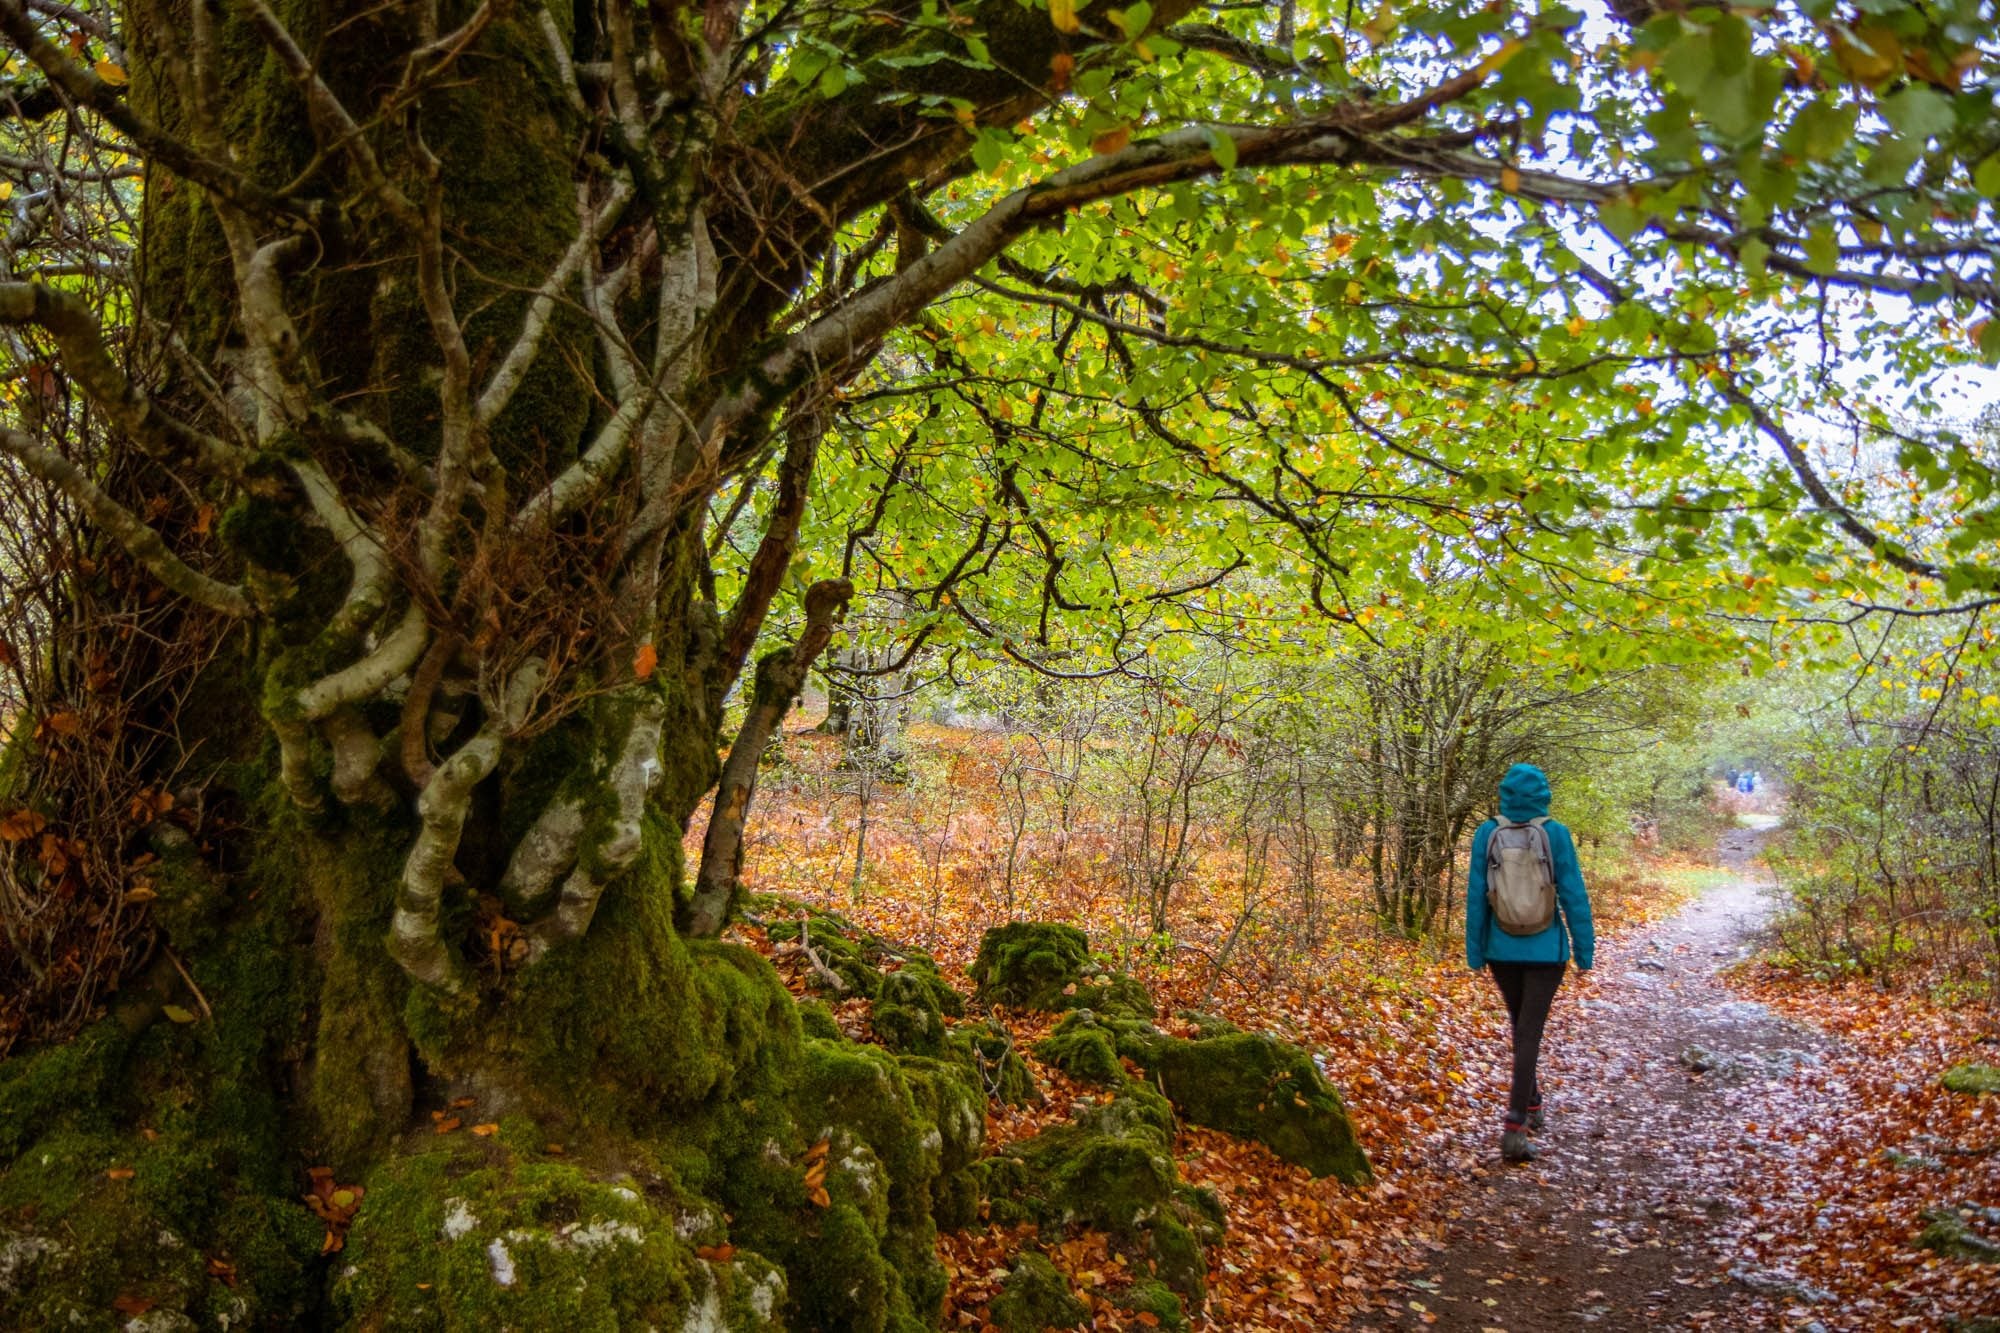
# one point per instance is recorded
(1731, 1144)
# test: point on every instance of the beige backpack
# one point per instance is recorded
(1521, 876)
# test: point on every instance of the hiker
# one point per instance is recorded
(1526, 914)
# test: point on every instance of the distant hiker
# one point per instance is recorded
(1744, 783)
(1524, 905)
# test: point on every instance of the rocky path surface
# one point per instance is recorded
(1654, 1074)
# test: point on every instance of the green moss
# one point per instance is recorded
(77, 1083)
(987, 1050)
(625, 1024)
(1946, 1232)
(1156, 1298)
(906, 1015)
(817, 1021)
(1029, 963)
(1971, 1079)
(265, 533)
(464, 1237)
(73, 1239)
(1035, 1296)
(865, 1257)
(1256, 1087)
(949, 1096)
(1042, 965)
(838, 951)
(1083, 1049)
(1111, 1169)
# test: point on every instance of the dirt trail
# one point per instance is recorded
(1653, 1073)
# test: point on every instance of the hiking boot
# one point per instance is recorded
(1535, 1118)
(1514, 1144)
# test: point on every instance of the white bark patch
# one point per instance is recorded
(161, 1321)
(860, 1164)
(694, 1222)
(767, 1294)
(458, 1219)
(707, 1317)
(501, 1262)
(598, 1233)
(20, 1253)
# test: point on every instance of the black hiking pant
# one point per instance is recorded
(1529, 989)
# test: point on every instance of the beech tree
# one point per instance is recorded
(413, 378)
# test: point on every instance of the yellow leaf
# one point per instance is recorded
(1062, 13)
(485, 1131)
(1111, 141)
(1508, 50)
(178, 1014)
(1576, 325)
(1510, 180)
(645, 660)
(111, 73)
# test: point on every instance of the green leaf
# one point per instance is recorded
(1986, 177)
(1822, 250)
(1221, 145)
(1919, 112)
(1989, 342)
(990, 148)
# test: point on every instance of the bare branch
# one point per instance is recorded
(507, 378)
(416, 931)
(633, 776)
(141, 542)
(70, 322)
(85, 88)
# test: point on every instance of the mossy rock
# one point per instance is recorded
(1083, 1049)
(863, 1255)
(1111, 1169)
(1207, 1024)
(1035, 1296)
(1029, 963)
(1256, 1087)
(816, 1020)
(907, 1017)
(454, 1239)
(1971, 1079)
(842, 956)
(987, 1049)
(1153, 1297)
(861, 958)
(73, 1239)
(949, 1096)
(1947, 1233)
(1043, 965)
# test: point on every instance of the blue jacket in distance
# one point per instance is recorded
(1524, 794)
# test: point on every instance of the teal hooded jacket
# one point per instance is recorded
(1524, 794)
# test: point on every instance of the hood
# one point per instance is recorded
(1524, 793)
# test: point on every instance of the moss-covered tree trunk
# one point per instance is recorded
(469, 317)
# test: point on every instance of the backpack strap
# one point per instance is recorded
(1548, 851)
